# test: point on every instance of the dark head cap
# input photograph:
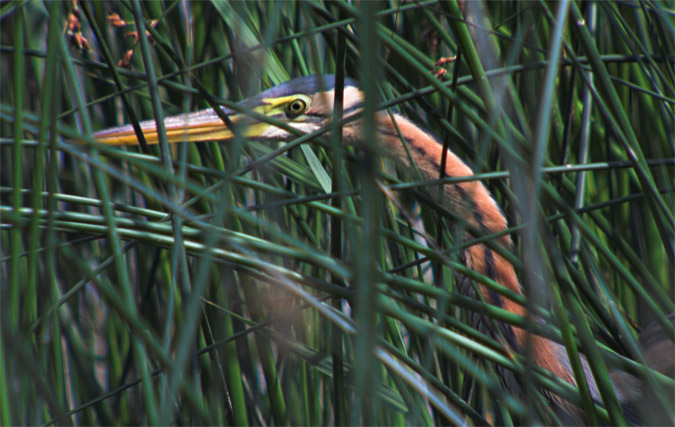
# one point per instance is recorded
(307, 85)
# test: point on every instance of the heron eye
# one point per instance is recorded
(296, 107)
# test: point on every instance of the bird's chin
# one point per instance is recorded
(275, 134)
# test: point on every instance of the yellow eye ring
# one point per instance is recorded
(296, 107)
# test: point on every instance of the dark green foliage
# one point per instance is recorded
(222, 284)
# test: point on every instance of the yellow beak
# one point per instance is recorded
(196, 127)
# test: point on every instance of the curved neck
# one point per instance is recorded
(474, 203)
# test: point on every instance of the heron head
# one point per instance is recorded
(304, 103)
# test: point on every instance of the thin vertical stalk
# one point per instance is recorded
(338, 181)
(530, 188)
(17, 165)
(366, 246)
(584, 136)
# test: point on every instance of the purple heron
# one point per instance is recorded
(306, 104)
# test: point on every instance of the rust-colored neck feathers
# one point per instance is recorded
(474, 203)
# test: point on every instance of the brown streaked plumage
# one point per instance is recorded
(306, 104)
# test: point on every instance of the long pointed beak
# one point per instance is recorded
(193, 127)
